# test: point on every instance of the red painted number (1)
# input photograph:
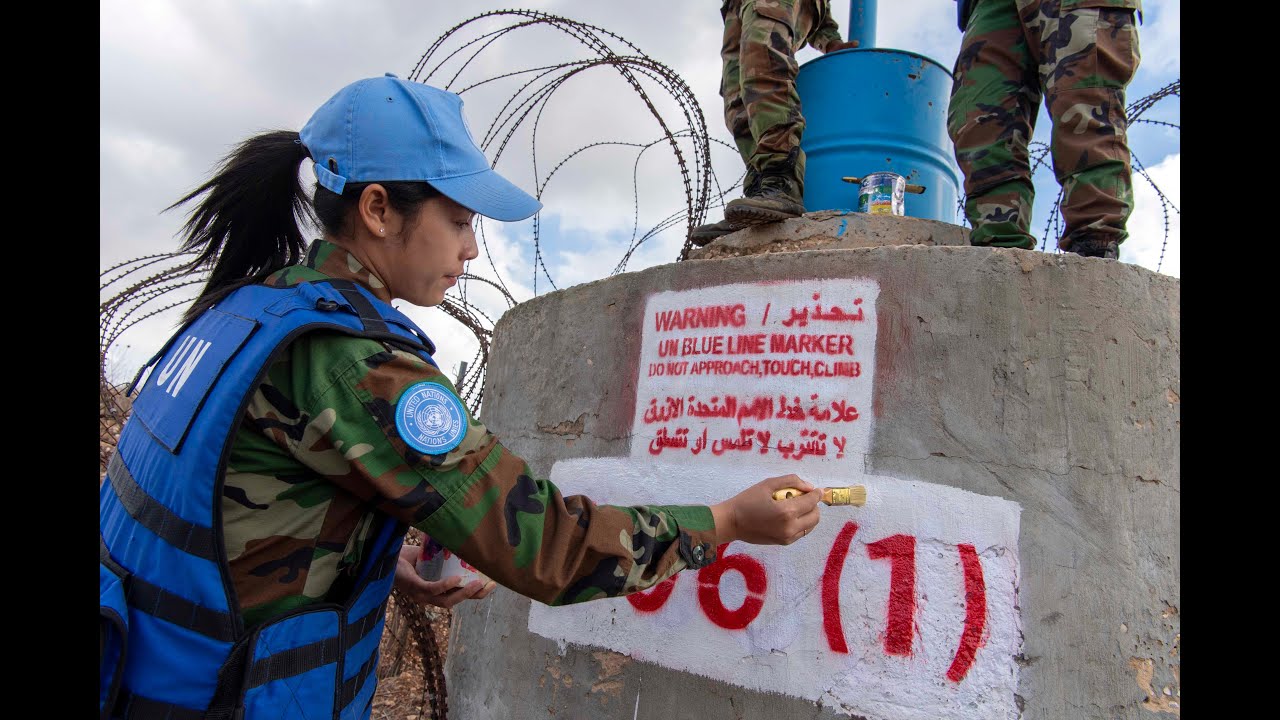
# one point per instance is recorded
(900, 550)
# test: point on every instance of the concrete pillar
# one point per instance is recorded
(1021, 423)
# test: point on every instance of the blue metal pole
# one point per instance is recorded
(862, 22)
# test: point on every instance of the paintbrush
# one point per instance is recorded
(852, 495)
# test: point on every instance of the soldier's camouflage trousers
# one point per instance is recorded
(1079, 60)
(758, 83)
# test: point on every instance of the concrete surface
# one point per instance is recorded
(832, 230)
(1049, 380)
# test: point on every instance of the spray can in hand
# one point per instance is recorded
(437, 562)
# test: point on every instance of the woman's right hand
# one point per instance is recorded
(754, 516)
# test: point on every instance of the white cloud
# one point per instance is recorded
(1147, 223)
(143, 158)
(1159, 37)
(182, 82)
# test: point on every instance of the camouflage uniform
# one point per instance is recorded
(318, 456)
(1080, 55)
(758, 81)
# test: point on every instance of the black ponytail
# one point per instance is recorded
(247, 226)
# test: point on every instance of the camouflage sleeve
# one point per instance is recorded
(826, 33)
(483, 502)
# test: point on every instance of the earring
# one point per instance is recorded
(383, 231)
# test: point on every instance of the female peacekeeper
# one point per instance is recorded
(254, 513)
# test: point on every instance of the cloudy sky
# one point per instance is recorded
(182, 82)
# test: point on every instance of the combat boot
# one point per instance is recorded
(778, 198)
(1096, 247)
(705, 234)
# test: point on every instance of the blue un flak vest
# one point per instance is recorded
(172, 641)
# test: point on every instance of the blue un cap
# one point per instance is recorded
(385, 129)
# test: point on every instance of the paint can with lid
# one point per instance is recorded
(882, 193)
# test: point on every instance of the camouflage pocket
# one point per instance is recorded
(1118, 51)
(1119, 4)
(1085, 90)
(782, 11)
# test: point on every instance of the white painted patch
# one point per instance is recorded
(786, 648)
(738, 383)
(740, 373)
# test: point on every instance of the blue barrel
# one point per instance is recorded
(873, 110)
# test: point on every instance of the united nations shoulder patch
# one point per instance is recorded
(430, 418)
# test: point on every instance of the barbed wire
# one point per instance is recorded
(142, 300)
(462, 47)
(144, 288)
(1039, 151)
(149, 294)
